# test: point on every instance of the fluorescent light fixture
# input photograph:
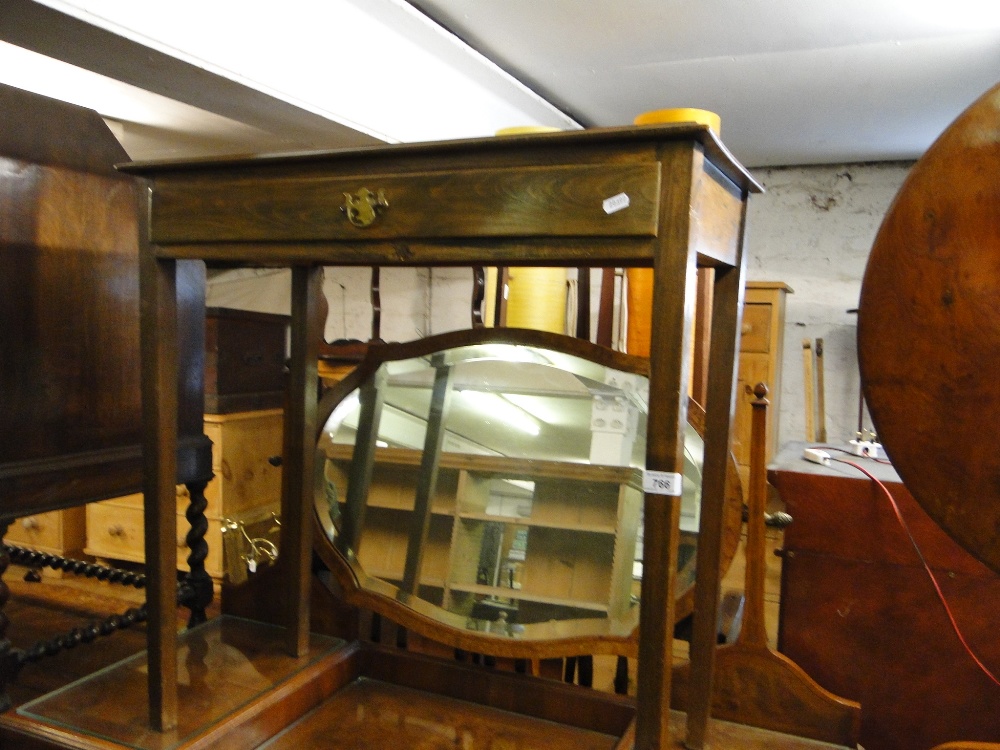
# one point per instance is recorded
(379, 67)
(542, 407)
(493, 405)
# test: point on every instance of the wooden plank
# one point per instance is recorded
(820, 394)
(616, 251)
(41, 130)
(727, 305)
(606, 312)
(673, 311)
(300, 454)
(702, 334)
(580, 146)
(158, 338)
(371, 396)
(427, 479)
(522, 694)
(810, 389)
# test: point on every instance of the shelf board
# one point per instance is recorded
(589, 528)
(436, 511)
(395, 577)
(527, 596)
(503, 466)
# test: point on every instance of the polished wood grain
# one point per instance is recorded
(244, 360)
(482, 203)
(754, 684)
(240, 689)
(860, 615)
(929, 330)
(380, 714)
(571, 705)
(159, 382)
(69, 306)
(673, 305)
(50, 132)
(694, 168)
(728, 218)
(411, 701)
(506, 244)
(300, 454)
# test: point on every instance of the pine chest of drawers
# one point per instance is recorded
(246, 461)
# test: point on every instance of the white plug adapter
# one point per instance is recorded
(866, 449)
(817, 456)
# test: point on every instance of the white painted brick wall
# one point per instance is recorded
(814, 229)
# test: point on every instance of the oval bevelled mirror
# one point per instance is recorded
(492, 482)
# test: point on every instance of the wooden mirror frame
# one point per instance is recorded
(552, 639)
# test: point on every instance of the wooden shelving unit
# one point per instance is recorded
(761, 347)
(246, 485)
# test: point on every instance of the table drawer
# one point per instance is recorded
(59, 532)
(115, 531)
(592, 200)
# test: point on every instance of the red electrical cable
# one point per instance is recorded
(937, 586)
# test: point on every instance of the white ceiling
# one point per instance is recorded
(795, 81)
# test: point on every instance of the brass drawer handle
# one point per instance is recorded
(363, 208)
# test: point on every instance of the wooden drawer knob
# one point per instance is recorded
(31, 523)
(116, 530)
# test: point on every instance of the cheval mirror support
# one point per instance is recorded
(666, 197)
(754, 683)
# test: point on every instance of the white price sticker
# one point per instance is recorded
(615, 203)
(662, 483)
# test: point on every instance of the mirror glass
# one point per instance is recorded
(500, 486)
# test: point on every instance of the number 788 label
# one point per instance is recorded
(662, 483)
